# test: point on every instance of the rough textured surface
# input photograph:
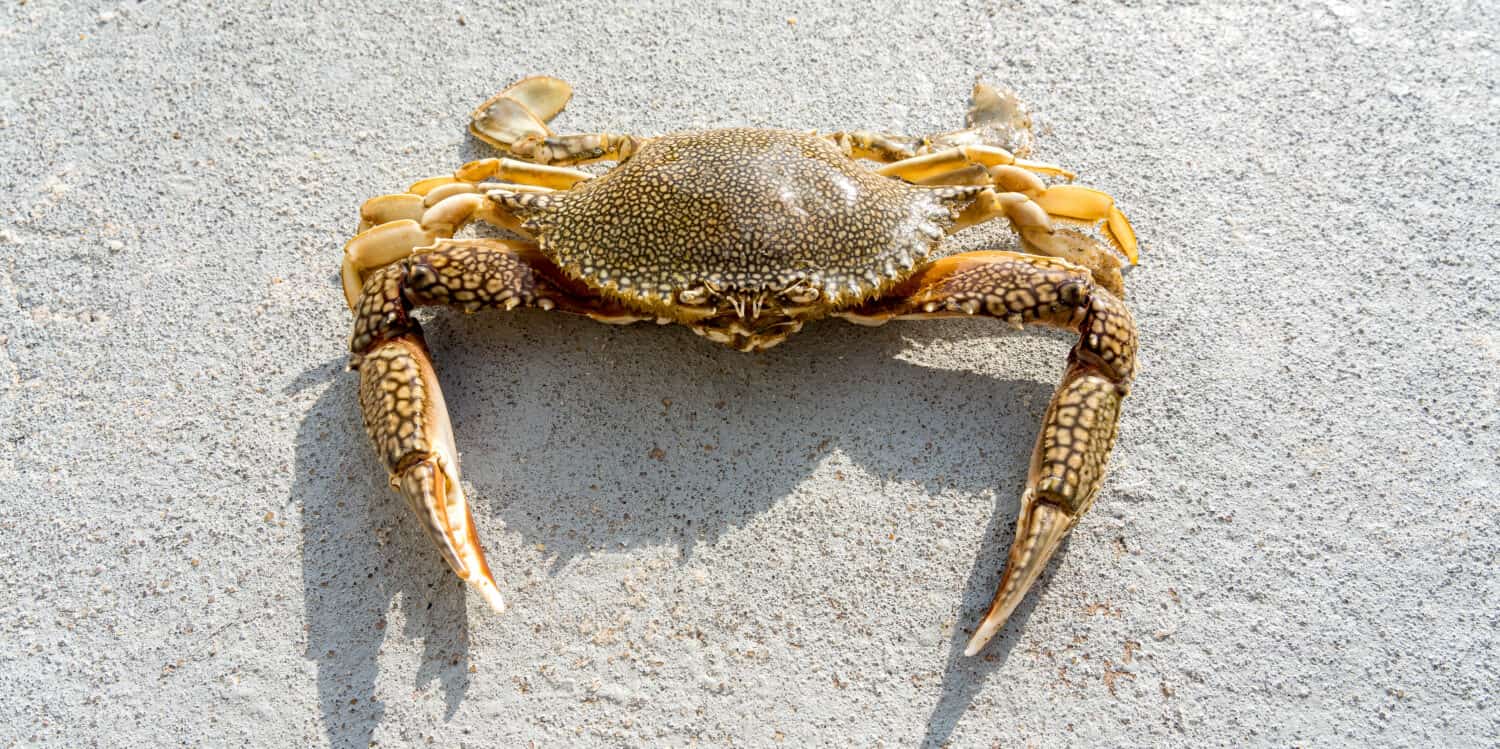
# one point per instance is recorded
(1296, 545)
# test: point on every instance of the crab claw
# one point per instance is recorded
(1067, 465)
(408, 422)
(1039, 531)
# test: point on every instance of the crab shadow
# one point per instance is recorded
(583, 437)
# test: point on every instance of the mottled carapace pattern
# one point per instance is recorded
(743, 211)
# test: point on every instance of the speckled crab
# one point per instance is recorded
(743, 235)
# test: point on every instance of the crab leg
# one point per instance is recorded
(1071, 203)
(1039, 236)
(520, 111)
(995, 117)
(389, 241)
(1078, 431)
(510, 170)
(408, 422)
(403, 407)
(393, 226)
(962, 165)
(577, 148)
(515, 121)
(950, 159)
(1082, 204)
(883, 147)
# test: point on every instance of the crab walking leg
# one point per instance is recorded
(1071, 203)
(1038, 235)
(510, 170)
(580, 148)
(995, 118)
(964, 166)
(1078, 431)
(424, 194)
(394, 226)
(930, 165)
(1088, 205)
(405, 223)
(886, 148)
(522, 110)
(399, 395)
(515, 121)
(413, 204)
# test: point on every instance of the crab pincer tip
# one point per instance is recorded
(977, 642)
(491, 594)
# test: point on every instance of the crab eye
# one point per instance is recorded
(695, 296)
(1073, 292)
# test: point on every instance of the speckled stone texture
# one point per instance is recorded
(1296, 544)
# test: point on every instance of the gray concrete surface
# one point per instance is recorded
(1296, 546)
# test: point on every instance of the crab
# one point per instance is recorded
(744, 235)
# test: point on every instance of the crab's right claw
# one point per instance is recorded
(408, 422)
(520, 113)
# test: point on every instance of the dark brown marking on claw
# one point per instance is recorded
(471, 278)
(393, 396)
(382, 311)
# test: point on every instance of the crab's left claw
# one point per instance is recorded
(1078, 431)
(1067, 467)
(1039, 531)
(1068, 462)
(403, 407)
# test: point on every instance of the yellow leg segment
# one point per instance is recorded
(511, 170)
(1086, 204)
(1039, 235)
(929, 165)
(962, 165)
